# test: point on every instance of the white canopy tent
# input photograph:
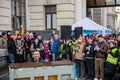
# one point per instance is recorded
(89, 25)
(106, 31)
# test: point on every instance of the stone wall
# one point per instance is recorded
(68, 12)
(5, 14)
(36, 11)
(3, 57)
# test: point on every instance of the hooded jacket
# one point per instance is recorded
(55, 46)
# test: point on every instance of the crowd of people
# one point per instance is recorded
(25, 47)
(96, 57)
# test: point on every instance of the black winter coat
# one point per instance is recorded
(111, 68)
(11, 46)
(91, 51)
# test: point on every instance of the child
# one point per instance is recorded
(46, 52)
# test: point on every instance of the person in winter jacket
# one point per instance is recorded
(3, 41)
(89, 55)
(36, 45)
(19, 49)
(79, 57)
(46, 52)
(71, 45)
(62, 50)
(111, 61)
(54, 49)
(27, 45)
(11, 49)
(101, 49)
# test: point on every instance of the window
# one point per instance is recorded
(18, 14)
(51, 19)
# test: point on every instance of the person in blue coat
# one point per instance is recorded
(54, 48)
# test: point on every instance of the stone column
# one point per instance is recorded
(104, 17)
(80, 10)
(27, 16)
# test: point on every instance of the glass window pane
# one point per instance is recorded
(18, 22)
(18, 13)
(18, 8)
(48, 21)
(50, 9)
(54, 21)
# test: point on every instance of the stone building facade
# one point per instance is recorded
(5, 15)
(40, 15)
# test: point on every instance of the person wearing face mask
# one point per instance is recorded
(19, 49)
(111, 61)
